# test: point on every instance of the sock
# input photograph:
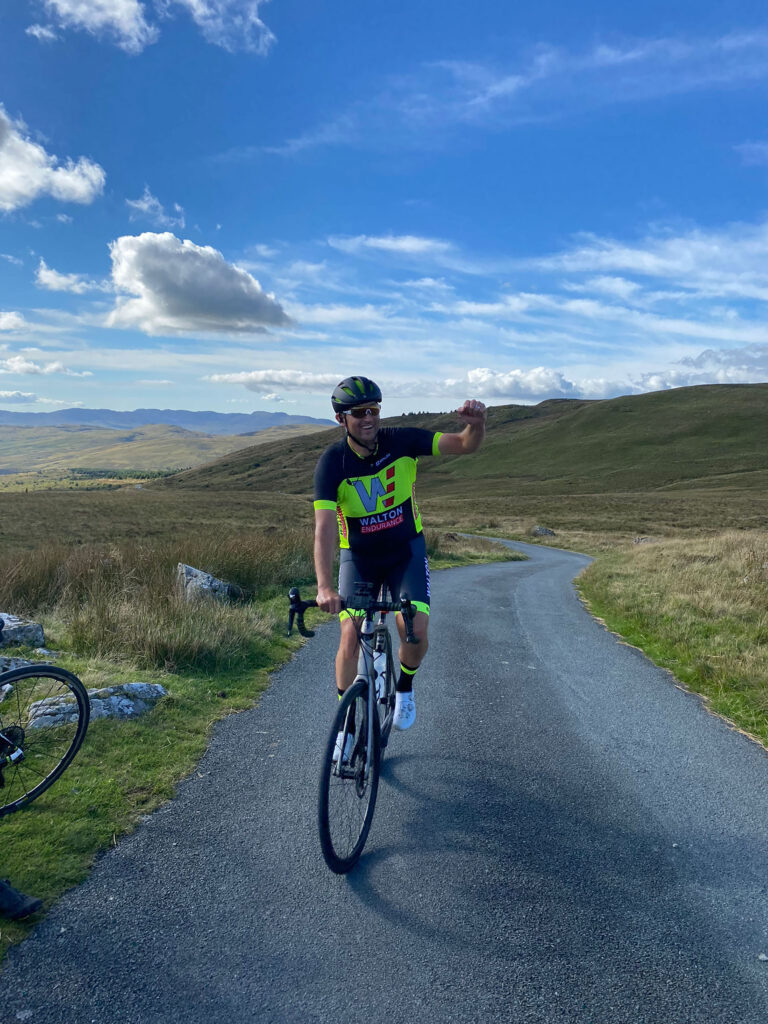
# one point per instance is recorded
(405, 682)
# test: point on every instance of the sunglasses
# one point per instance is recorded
(360, 414)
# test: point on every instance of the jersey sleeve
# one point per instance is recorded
(326, 483)
(421, 442)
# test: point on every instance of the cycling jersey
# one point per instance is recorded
(373, 496)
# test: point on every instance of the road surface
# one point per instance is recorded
(563, 836)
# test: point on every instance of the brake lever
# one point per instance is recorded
(296, 612)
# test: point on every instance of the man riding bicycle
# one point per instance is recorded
(365, 495)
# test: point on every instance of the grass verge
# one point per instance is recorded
(698, 607)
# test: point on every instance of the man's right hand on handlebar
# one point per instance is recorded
(328, 600)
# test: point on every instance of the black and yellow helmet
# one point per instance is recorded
(354, 391)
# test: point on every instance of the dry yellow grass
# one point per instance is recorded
(699, 607)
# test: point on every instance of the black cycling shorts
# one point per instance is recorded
(404, 571)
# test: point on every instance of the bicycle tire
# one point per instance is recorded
(46, 749)
(387, 704)
(346, 799)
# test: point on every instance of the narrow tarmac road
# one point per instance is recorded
(563, 836)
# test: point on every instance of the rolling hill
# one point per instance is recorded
(711, 436)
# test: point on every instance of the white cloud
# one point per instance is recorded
(182, 288)
(156, 383)
(43, 33)
(27, 171)
(267, 381)
(50, 279)
(11, 321)
(338, 314)
(11, 259)
(22, 365)
(150, 208)
(12, 397)
(732, 262)
(63, 218)
(231, 24)
(123, 21)
(406, 245)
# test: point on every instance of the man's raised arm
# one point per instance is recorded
(473, 414)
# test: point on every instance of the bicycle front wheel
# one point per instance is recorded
(349, 781)
(44, 713)
(387, 701)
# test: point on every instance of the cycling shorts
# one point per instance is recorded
(405, 571)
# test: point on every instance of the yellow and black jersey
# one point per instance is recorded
(374, 496)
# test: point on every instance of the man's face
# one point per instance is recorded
(362, 428)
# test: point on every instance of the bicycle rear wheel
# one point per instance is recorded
(349, 782)
(44, 713)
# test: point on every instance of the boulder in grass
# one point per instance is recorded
(542, 531)
(195, 584)
(126, 701)
(15, 631)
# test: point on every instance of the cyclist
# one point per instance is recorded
(364, 494)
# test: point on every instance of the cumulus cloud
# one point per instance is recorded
(50, 279)
(27, 171)
(12, 397)
(183, 288)
(150, 208)
(123, 21)
(11, 321)
(266, 382)
(231, 24)
(23, 365)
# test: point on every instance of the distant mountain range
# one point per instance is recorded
(203, 422)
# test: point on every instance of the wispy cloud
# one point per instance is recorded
(149, 207)
(417, 109)
(21, 364)
(10, 321)
(754, 154)
(27, 171)
(402, 245)
(267, 381)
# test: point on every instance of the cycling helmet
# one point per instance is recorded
(354, 391)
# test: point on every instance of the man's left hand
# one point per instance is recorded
(472, 412)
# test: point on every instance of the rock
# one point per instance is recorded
(14, 630)
(542, 531)
(126, 701)
(6, 664)
(194, 583)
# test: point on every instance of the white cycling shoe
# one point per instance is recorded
(405, 711)
(348, 747)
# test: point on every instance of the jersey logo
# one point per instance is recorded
(370, 499)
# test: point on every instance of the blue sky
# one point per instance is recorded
(231, 204)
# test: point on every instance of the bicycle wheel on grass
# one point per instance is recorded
(44, 713)
(348, 783)
(387, 702)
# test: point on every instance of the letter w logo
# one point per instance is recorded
(370, 500)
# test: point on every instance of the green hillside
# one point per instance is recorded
(704, 437)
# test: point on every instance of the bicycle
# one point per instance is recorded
(44, 713)
(349, 775)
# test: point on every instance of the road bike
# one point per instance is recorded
(349, 774)
(44, 712)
